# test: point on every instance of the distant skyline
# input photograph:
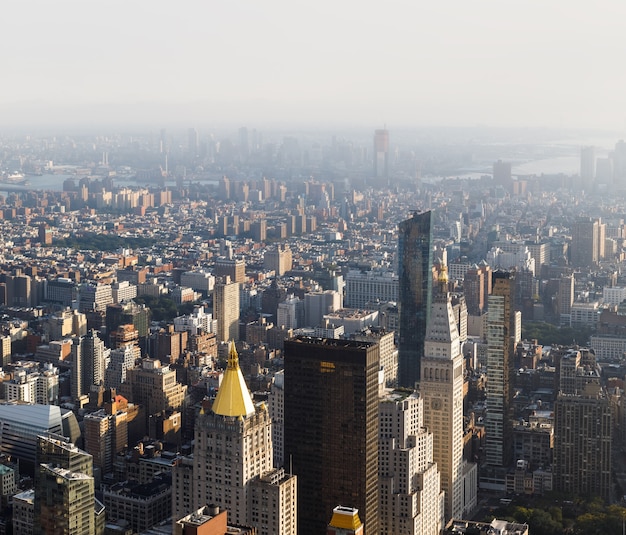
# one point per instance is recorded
(279, 63)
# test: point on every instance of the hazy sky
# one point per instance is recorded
(342, 62)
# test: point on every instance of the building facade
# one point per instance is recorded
(415, 261)
(331, 428)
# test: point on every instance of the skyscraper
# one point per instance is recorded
(88, 363)
(500, 329)
(411, 500)
(583, 426)
(233, 454)
(415, 261)
(331, 428)
(441, 387)
(587, 166)
(585, 246)
(226, 309)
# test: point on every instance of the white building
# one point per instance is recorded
(411, 500)
(613, 296)
(123, 291)
(202, 281)
(365, 288)
(441, 386)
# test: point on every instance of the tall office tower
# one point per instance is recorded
(233, 446)
(411, 499)
(584, 248)
(226, 309)
(565, 298)
(587, 166)
(415, 262)
(381, 153)
(502, 174)
(441, 387)
(500, 331)
(64, 490)
(331, 428)
(582, 443)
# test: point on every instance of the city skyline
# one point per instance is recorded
(425, 64)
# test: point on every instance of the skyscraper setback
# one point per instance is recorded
(441, 387)
(331, 428)
(415, 261)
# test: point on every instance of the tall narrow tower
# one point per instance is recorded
(500, 327)
(441, 387)
(415, 262)
(226, 309)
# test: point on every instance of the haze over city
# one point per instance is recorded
(276, 63)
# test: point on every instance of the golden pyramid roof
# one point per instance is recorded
(233, 397)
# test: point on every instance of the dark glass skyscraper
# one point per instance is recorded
(415, 263)
(331, 428)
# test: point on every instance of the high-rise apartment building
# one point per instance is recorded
(331, 428)
(415, 261)
(88, 363)
(441, 386)
(583, 427)
(500, 335)
(411, 500)
(226, 309)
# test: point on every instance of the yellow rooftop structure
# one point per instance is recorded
(345, 518)
(233, 398)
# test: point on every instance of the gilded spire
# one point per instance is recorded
(233, 398)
